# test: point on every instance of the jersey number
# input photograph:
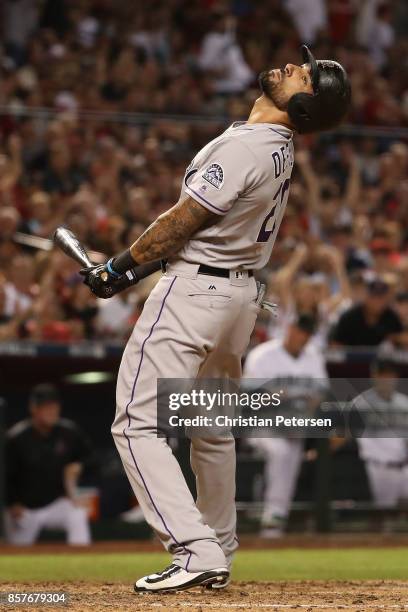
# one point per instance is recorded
(269, 224)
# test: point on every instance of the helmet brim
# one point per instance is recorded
(308, 58)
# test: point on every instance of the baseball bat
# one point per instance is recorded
(45, 244)
(69, 243)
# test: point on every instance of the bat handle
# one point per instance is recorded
(88, 263)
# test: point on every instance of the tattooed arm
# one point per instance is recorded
(169, 233)
(165, 237)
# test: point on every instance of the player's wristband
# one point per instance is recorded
(111, 271)
(121, 264)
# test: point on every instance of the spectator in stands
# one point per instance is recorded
(9, 324)
(358, 292)
(372, 321)
(310, 294)
(222, 58)
(331, 198)
(375, 30)
(309, 16)
(10, 169)
(8, 329)
(383, 451)
(299, 365)
(9, 222)
(21, 289)
(41, 221)
(20, 21)
(381, 253)
(44, 459)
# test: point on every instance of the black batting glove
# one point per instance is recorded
(105, 271)
(98, 276)
(96, 282)
(104, 284)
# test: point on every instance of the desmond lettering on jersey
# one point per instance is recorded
(282, 159)
(214, 175)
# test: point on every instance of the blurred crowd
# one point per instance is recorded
(75, 150)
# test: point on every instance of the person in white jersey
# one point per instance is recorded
(383, 450)
(199, 318)
(299, 365)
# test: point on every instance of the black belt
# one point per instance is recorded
(223, 272)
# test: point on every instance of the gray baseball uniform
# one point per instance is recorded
(198, 325)
(283, 456)
(385, 458)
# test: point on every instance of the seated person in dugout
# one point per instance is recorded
(384, 452)
(44, 459)
(299, 365)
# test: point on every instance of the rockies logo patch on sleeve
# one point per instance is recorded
(214, 175)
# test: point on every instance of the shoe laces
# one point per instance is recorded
(168, 568)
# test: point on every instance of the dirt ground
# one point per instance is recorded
(302, 595)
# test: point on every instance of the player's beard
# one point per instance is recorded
(273, 91)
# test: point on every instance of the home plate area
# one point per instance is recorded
(302, 595)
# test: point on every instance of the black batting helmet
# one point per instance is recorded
(329, 103)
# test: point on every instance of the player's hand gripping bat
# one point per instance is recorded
(71, 246)
(95, 277)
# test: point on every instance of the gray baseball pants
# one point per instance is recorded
(186, 330)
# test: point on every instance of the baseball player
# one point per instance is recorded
(299, 365)
(384, 453)
(198, 319)
(44, 459)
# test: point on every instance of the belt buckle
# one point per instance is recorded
(239, 277)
